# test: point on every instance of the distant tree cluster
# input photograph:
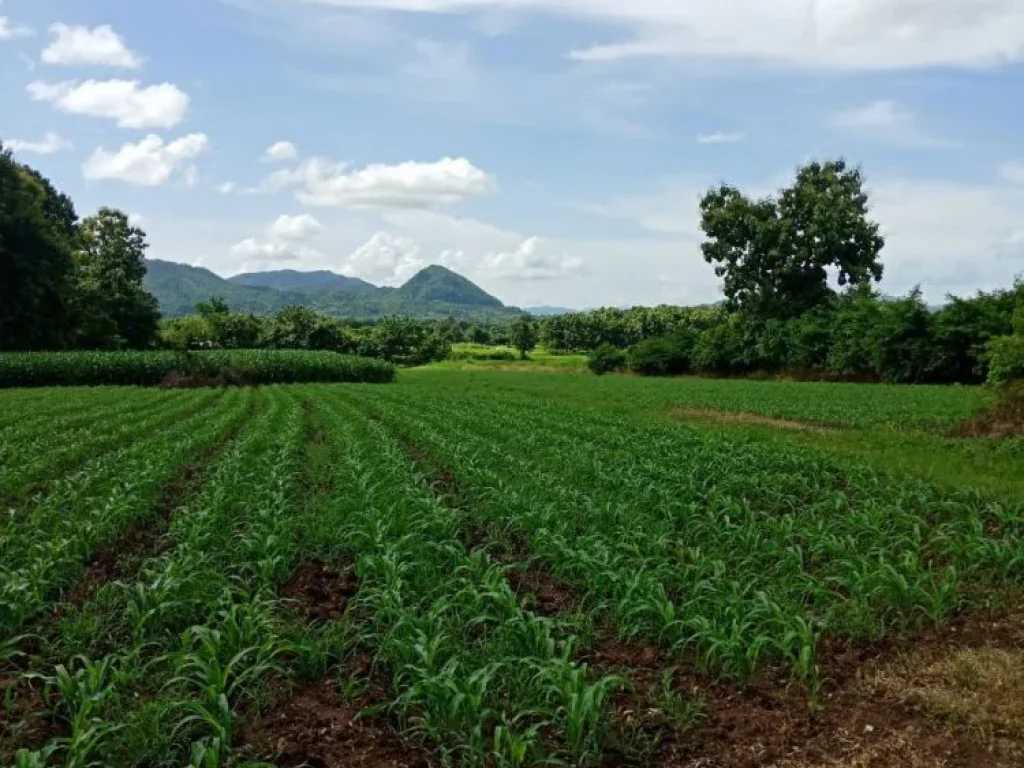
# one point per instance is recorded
(798, 273)
(66, 283)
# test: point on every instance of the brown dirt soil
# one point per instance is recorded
(314, 728)
(321, 591)
(737, 417)
(867, 719)
(228, 377)
(1004, 419)
(25, 724)
(548, 596)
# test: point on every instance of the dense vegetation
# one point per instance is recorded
(144, 368)
(513, 570)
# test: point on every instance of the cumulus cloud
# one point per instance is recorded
(720, 137)
(292, 228)
(852, 34)
(405, 185)
(282, 150)
(385, 259)
(260, 251)
(282, 241)
(147, 163)
(125, 101)
(85, 46)
(530, 260)
(50, 144)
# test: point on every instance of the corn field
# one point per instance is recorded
(194, 577)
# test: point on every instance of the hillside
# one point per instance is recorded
(436, 283)
(433, 293)
(292, 280)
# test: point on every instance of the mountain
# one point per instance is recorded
(546, 311)
(436, 283)
(291, 280)
(433, 293)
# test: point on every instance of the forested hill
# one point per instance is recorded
(434, 292)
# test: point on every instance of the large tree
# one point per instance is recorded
(115, 310)
(776, 254)
(38, 228)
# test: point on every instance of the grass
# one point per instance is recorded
(482, 536)
(478, 357)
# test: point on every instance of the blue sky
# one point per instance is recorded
(551, 150)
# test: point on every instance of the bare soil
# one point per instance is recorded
(315, 728)
(25, 722)
(321, 591)
(864, 718)
(544, 594)
(1004, 419)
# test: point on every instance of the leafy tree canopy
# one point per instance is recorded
(776, 253)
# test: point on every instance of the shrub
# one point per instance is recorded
(1007, 359)
(662, 356)
(605, 359)
(39, 369)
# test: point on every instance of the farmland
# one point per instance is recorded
(508, 569)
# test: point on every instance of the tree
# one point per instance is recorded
(38, 228)
(524, 336)
(115, 310)
(775, 253)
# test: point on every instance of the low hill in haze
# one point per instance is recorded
(433, 293)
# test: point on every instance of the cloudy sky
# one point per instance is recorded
(551, 150)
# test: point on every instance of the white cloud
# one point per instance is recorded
(50, 144)
(887, 121)
(720, 137)
(846, 34)
(126, 101)
(190, 176)
(259, 252)
(137, 219)
(525, 262)
(282, 150)
(292, 228)
(147, 163)
(405, 185)
(226, 188)
(10, 30)
(85, 46)
(385, 259)
(1013, 172)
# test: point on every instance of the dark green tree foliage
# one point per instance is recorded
(606, 359)
(114, 309)
(37, 237)
(524, 336)
(775, 254)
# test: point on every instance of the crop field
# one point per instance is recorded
(501, 569)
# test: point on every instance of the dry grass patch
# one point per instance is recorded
(738, 417)
(980, 689)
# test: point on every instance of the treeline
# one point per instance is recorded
(400, 340)
(854, 336)
(781, 259)
(66, 283)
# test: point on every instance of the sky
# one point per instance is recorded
(553, 151)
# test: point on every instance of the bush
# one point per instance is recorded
(605, 359)
(662, 356)
(482, 352)
(1007, 359)
(40, 369)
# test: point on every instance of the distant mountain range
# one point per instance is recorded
(434, 292)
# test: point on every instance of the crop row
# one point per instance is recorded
(43, 369)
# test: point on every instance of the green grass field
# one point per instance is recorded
(500, 569)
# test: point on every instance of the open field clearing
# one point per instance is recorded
(496, 569)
